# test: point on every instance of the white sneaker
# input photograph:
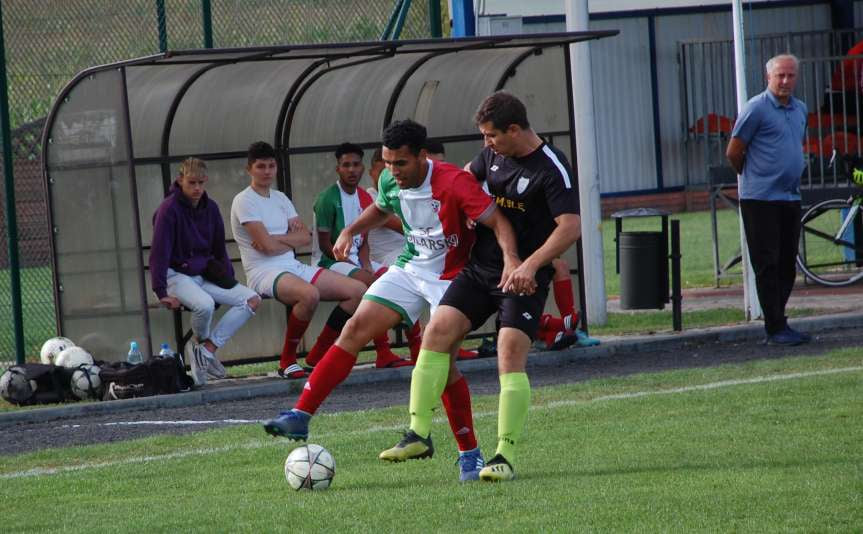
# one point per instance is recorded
(215, 369)
(198, 363)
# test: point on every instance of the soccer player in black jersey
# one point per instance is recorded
(534, 186)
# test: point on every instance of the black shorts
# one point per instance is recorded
(474, 292)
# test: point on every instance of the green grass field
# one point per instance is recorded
(769, 446)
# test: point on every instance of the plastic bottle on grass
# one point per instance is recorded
(165, 351)
(135, 356)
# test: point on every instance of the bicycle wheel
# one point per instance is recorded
(824, 257)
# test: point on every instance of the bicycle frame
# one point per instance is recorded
(855, 202)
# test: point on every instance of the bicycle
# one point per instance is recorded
(831, 239)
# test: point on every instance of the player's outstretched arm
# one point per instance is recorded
(505, 236)
(567, 232)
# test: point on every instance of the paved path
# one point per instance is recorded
(840, 299)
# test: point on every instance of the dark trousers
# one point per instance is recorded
(772, 235)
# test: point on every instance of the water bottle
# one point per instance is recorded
(135, 356)
(165, 351)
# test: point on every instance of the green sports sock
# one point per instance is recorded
(428, 381)
(512, 412)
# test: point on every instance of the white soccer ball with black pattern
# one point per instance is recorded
(53, 347)
(73, 357)
(14, 386)
(310, 467)
(86, 383)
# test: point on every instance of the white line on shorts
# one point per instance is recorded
(259, 444)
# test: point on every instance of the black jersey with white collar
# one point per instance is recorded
(530, 191)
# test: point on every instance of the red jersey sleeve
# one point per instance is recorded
(365, 198)
(474, 202)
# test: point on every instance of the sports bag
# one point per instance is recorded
(155, 376)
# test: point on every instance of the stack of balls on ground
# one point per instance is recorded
(20, 383)
(310, 467)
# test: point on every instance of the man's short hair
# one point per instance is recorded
(260, 150)
(377, 156)
(193, 167)
(405, 133)
(348, 148)
(502, 109)
(434, 146)
(772, 61)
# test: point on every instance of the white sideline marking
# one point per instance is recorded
(259, 444)
(173, 423)
(712, 385)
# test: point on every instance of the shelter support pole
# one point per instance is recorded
(751, 306)
(435, 29)
(586, 162)
(136, 219)
(463, 20)
(11, 218)
(207, 16)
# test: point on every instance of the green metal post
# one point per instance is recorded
(434, 19)
(400, 22)
(11, 220)
(161, 22)
(391, 23)
(207, 13)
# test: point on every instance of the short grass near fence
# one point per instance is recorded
(767, 446)
(696, 246)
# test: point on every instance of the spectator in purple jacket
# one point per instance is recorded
(189, 266)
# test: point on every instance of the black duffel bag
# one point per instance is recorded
(156, 376)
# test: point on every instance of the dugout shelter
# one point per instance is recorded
(116, 134)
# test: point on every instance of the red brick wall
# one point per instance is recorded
(675, 202)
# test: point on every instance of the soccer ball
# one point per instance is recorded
(73, 357)
(14, 386)
(53, 347)
(86, 383)
(310, 467)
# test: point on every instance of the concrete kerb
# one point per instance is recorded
(265, 387)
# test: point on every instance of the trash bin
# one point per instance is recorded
(641, 270)
(642, 262)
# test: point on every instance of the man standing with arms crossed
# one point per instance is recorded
(533, 185)
(766, 150)
(434, 201)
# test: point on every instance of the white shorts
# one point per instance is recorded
(389, 258)
(406, 293)
(347, 268)
(263, 281)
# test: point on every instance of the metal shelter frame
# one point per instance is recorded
(320, 60)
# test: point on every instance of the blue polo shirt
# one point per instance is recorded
(774, 135)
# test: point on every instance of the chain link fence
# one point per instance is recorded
(48, 42)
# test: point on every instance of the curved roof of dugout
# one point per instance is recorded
(116, 133)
